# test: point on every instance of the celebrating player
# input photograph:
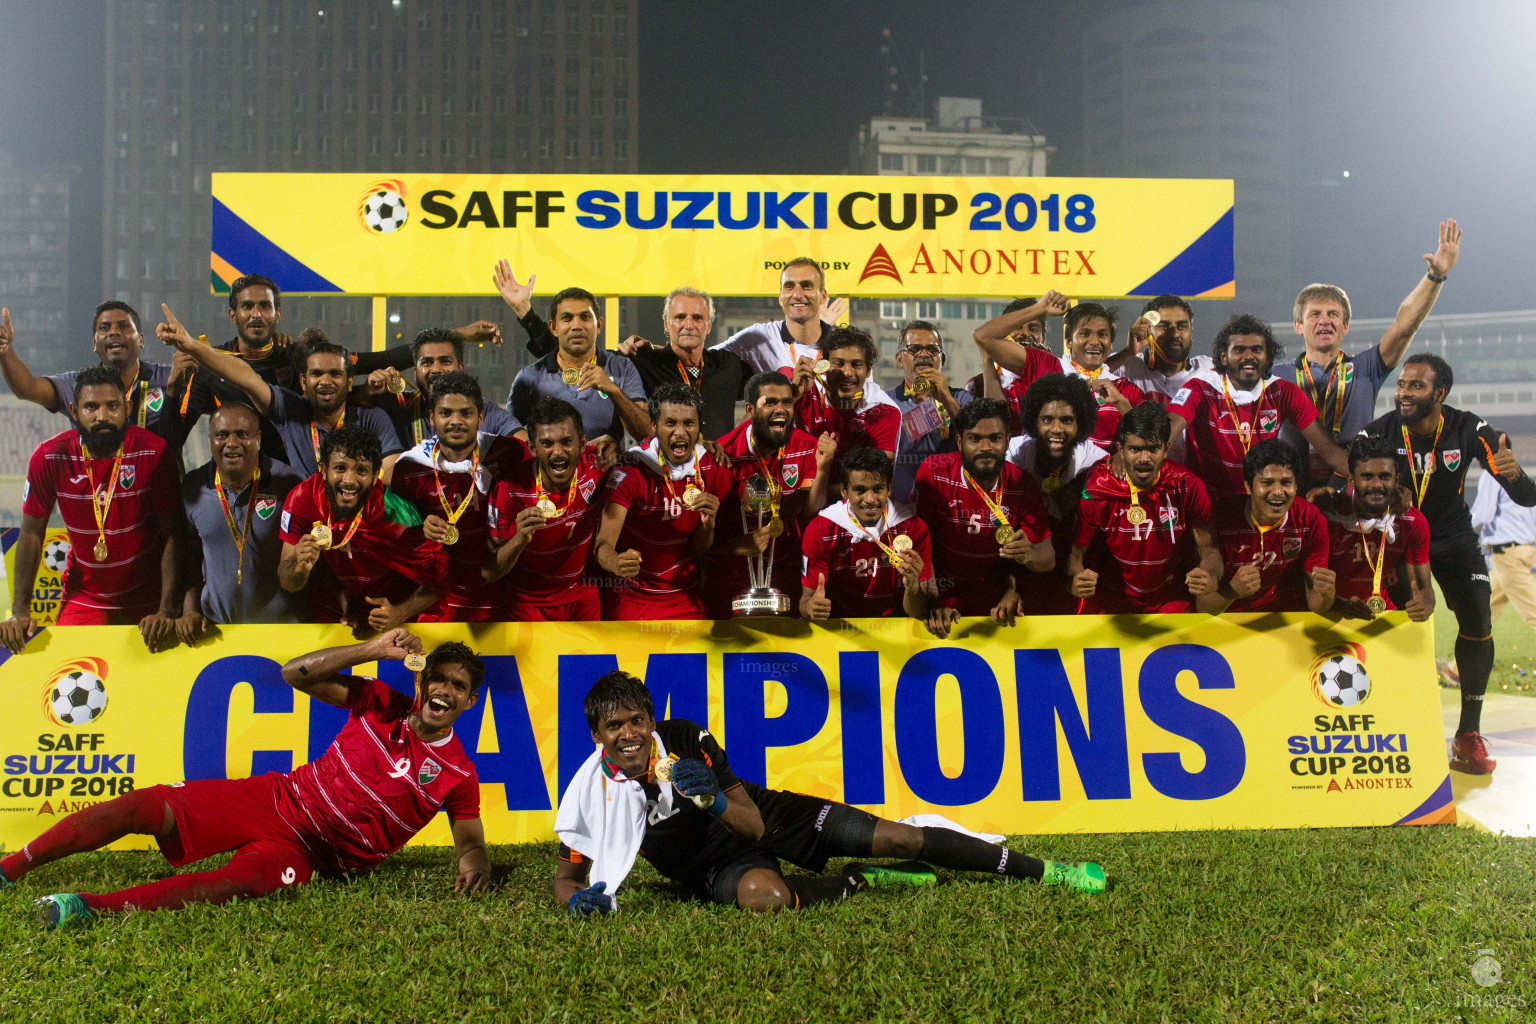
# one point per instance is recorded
(1367, 567)
(302, 420)
(434, 352)
(1054, 451)
(1274, 545)
(1438, 444)
(986, 520)
(543, 520)
(659, 516)
(388, 573)
(395, 764)
(665, 791)
(448, 478)
(116, 489)
(772, 456)
(1229, 409)
(834, 395)
(1134, 523)
(1156, 357)
(233, 543)
(926, 404)
(866, 556)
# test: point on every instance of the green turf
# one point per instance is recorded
(1343, 924)
(1514, 647)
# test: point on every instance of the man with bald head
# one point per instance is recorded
(234, 505)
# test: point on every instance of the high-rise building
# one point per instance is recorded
(536, 86)
(34, 265)
(1199, 89)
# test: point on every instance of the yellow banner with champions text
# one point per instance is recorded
(440, 234)
(1061, 724)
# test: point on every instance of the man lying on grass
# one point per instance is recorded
(392, 767)
(665, 791)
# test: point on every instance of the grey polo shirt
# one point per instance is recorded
(1364, 374)
(911, 453)
(258, 597)
(150, 395)
(409, 420)
(291, 415)
(598, 416)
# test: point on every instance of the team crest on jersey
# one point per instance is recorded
(1349, 371)
(585, 488)
(1269, 420)
(154, 399)
(126, 475)
(266, 504)
(1452, 457)
(428, 771)
(791, 476)
(1290, 547)
(1168, 514)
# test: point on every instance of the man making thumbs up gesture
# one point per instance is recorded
(1435, 445)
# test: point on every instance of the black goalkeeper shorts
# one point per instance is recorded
(804, 830)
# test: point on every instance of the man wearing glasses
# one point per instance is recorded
(926, 403)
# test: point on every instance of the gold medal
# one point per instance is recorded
(396, 385)
(821, 366)
(922, 387)
(322, 535)
(1004, 535)
(452, 536)
(101, 550)
(571, 375)
(776, 527)
(547, 508)
(1136, 515)
(691, 494)
(663, 769)
(1151, 317)
(415, 662)
(1376, 603)
(901, 543)
(1050, 484)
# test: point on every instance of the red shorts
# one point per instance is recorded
(579, 604)
(1119, 606)
(476, 607)
(629, 606)
(217, 815)
(73, 613)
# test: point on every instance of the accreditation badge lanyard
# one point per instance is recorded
(994, 505)
(1335, 391)
(455, 514)
(143, 414)
(545, 504)
(1245, 431)
(1376, 603)
(241, 536)
(774, 478)
(418, 421)
(101, 506)
(1421, 484)
(314, 436)
(689, 373)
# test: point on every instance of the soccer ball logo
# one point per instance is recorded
(56, 555)
(1341, 681)
(383, 210)
(77, 698)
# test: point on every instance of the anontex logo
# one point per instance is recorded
(382, 209)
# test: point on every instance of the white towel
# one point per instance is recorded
(939, 821)
(604, 819)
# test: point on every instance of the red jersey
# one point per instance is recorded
(1285, 553)
(1354, 546)
(861, 581)
(971, 575)
(1225, 422)
(552, 568)
(1141, 567)
(383, 558)
(146, 499)
(1050, 593)
(794, 467)
(422, 478)
(1039, 363)
(661, 528)
(874, 422)
(378, 783)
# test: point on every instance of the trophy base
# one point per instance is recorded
(760, 601)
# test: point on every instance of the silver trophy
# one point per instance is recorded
(760, 597)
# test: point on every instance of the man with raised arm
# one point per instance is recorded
(665, 791)
(395, 764)
(1435, 446)
(434, 352)
(115, 487)
(1274, 545)
(1156, 357)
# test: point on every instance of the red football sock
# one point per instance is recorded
(141, 812)
(249, 873)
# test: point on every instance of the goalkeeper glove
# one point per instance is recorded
(696, 781)
(592, 900)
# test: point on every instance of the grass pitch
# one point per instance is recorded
(1333, 925)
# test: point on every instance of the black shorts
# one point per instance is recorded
(1459, 567)
(806, 831)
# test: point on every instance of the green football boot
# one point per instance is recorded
(1084, 877)
(911, 873)
(62, 910)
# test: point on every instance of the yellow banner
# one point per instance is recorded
(1059, 725)
(440, 234)
(48, 590)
